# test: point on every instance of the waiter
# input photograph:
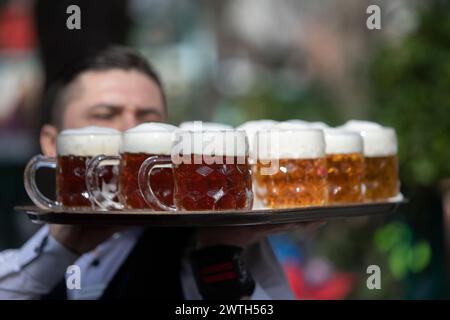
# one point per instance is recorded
(117, 88)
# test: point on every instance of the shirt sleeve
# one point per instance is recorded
(34, 269)
(270, 281)
(266, 270)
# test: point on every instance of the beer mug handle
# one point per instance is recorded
(144, 180)
(29, 179)
(101, 198)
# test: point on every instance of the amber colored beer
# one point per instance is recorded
(381, 177)
(380, 152)
(345, 177)
(297, 182)
(71, 183)
(129, 193)
(223, 185)
(75, 149)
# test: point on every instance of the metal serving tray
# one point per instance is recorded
(209, 218)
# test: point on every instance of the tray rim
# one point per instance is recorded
(208, 218)
(33, 208)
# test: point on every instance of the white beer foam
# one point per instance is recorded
(379, 142)
(300, 124)
(290, 144)
(228, 143)
(150, 138)
(252, 127)
(359, 125)
(292, 124)
(200, 126)
(318, 125)
(88, 142)
(343, 142)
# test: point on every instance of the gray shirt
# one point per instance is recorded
(35, 268)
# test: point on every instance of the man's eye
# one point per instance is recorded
(150, 118)
(102, 116)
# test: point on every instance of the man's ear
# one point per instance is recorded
(48, 140)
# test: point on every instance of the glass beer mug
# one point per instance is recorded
(290, 169)
(74, 148)
(138, 144)
(345, 166)
(211, 171)
(381, 180)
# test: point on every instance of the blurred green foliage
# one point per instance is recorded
(279, 100)
(410, 91)
(411, 87)
(404, 256)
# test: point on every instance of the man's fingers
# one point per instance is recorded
(81, 238)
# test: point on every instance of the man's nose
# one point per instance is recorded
(128, 120)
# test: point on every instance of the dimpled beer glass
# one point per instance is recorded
(381, 180)
(74, 148)
(291, 168)
(211, 171)
(345, 166)
(138, 144)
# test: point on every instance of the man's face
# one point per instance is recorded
(116, 98)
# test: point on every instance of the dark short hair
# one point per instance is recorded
(116, 57)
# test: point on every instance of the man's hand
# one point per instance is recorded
(81, 239)
(245, 236)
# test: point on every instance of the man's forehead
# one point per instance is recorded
(118, 87)
(117, 79)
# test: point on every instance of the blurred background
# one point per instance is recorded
(236, 60)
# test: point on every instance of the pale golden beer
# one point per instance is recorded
(345, 178)
(299, 182)
(291, 168)
(381, 177)
(381, 180)
(345, 166)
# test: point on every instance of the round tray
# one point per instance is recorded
(208, 218)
